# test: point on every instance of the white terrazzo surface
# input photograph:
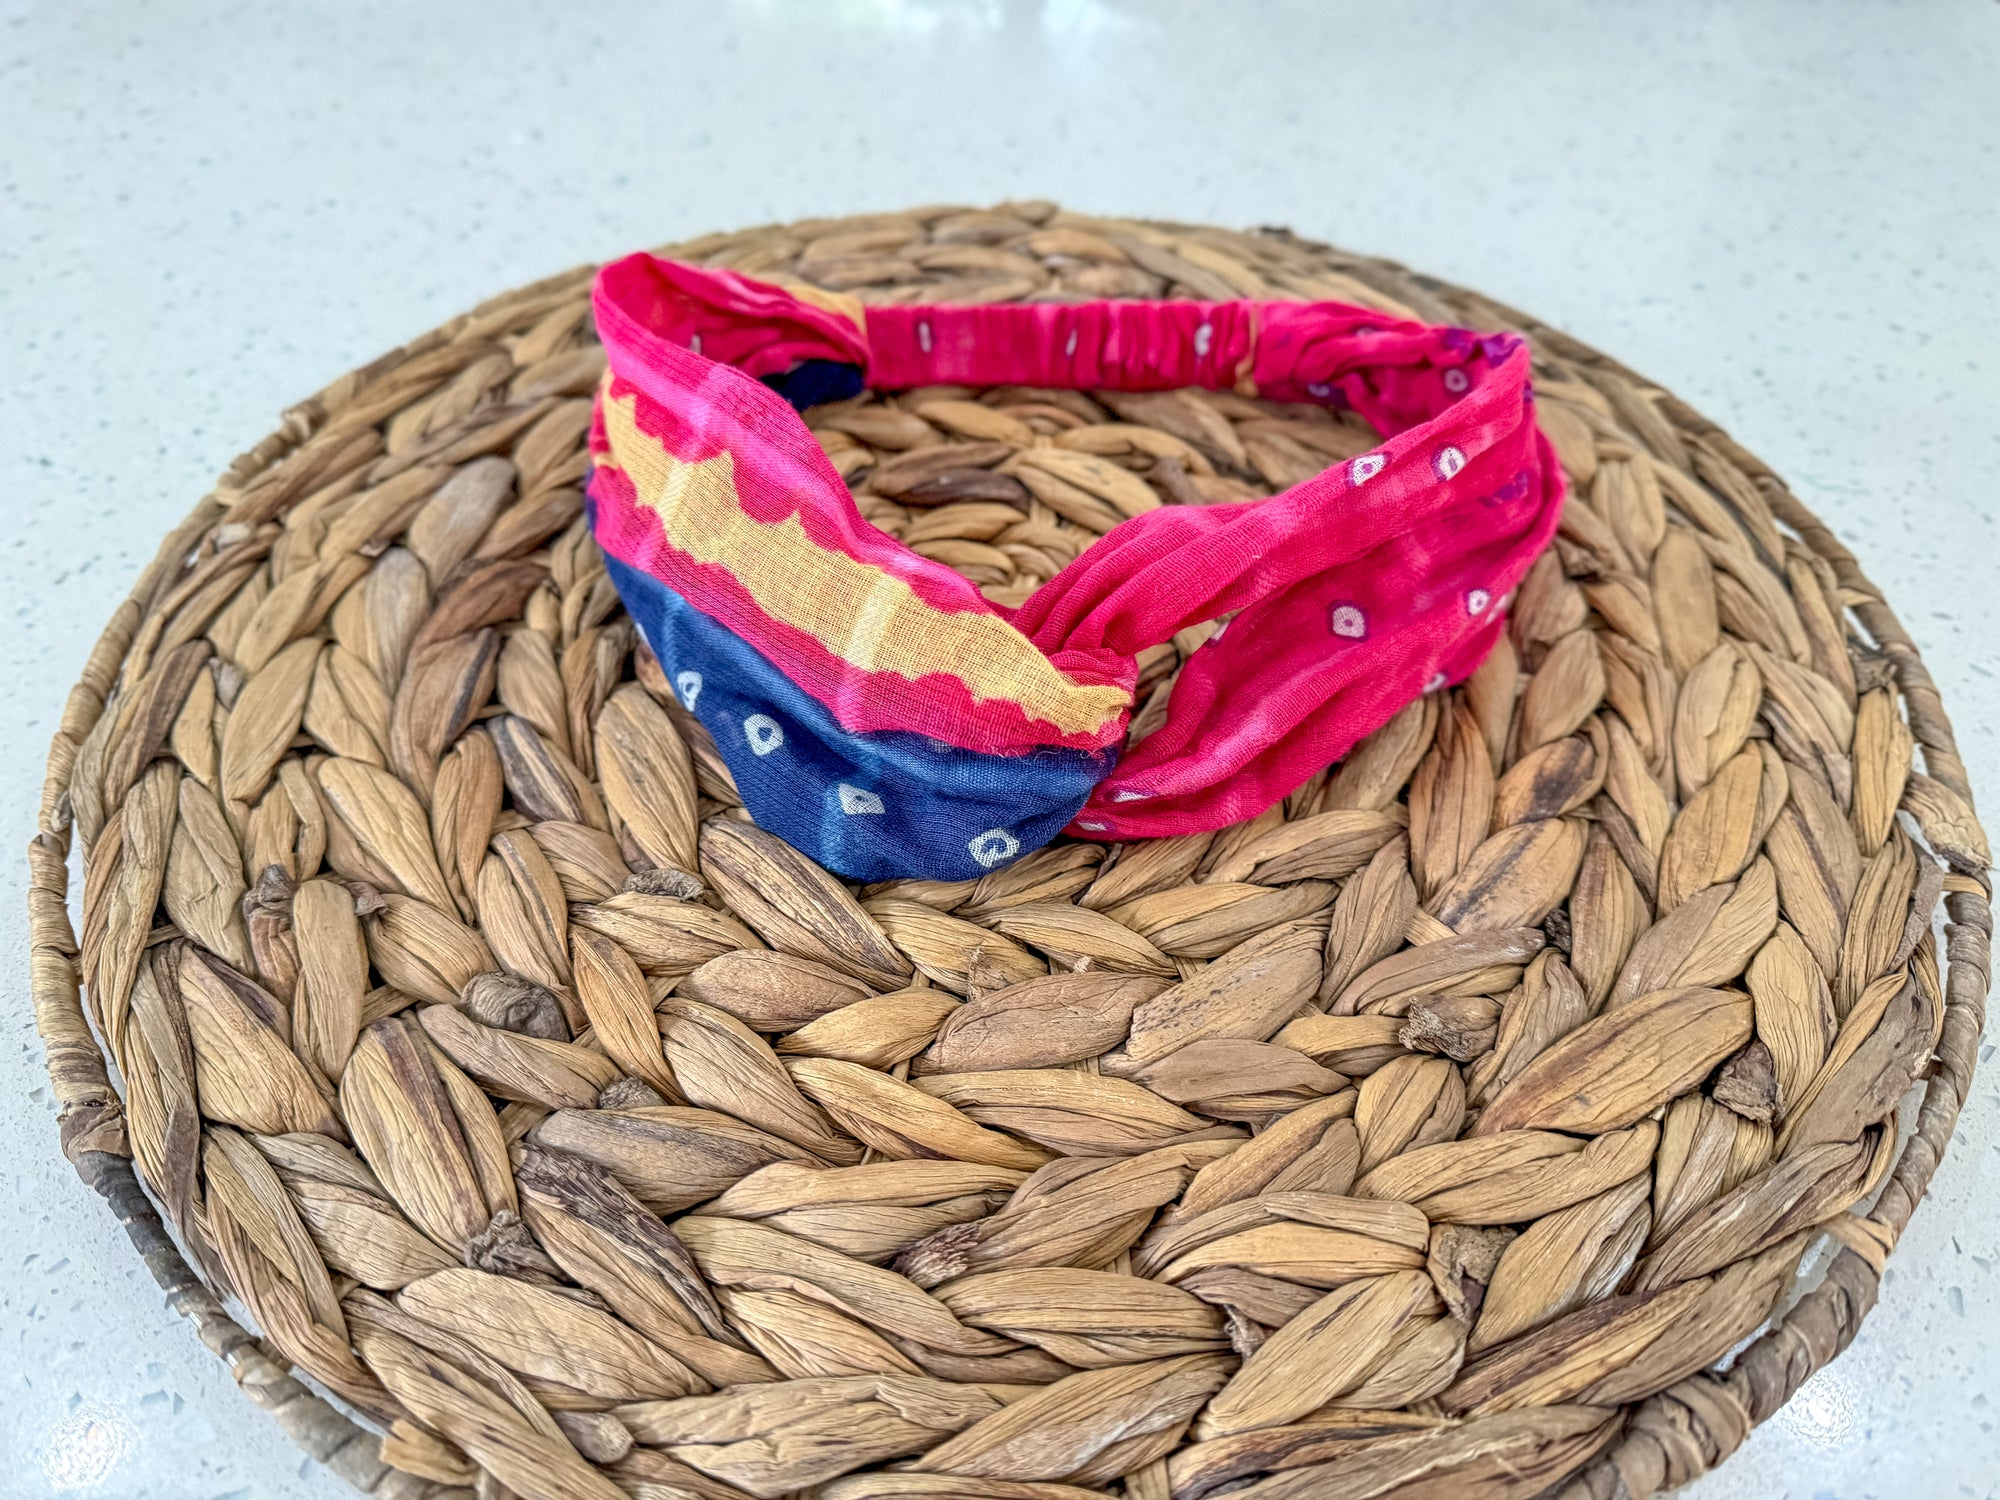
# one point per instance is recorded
(1788, 213)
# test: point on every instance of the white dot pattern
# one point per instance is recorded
(857, 801)
(994, 847)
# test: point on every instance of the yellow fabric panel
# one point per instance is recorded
(865, 616)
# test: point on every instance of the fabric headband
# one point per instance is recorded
(883, 716)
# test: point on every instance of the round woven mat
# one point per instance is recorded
(1447, 1130)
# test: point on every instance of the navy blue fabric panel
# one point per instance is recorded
(872, 806)
(811, 382)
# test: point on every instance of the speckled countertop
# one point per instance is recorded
(1787, 213)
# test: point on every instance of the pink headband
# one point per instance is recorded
(883, 715)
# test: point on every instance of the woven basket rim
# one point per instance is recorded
(1669, 1438)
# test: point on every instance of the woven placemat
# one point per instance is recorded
(1443, 1131)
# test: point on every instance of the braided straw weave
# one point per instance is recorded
(1440, 1132)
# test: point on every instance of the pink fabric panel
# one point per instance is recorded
(751, 326)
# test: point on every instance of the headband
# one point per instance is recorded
(883, 716)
